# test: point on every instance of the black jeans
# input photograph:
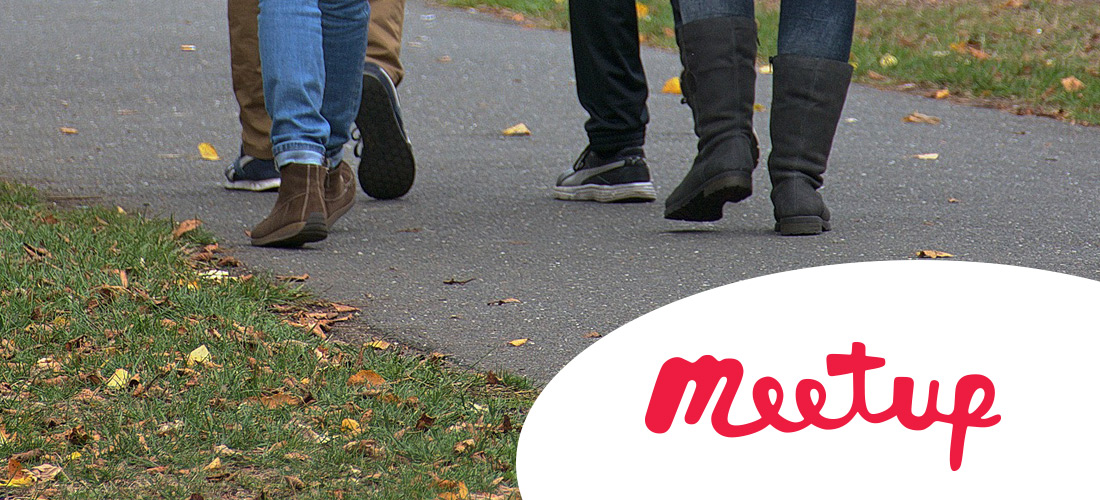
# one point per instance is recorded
(611, 83)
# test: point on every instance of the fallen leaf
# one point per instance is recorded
(350, 426)
(381, 345)
(341, 308)
(504, 301)
(875, 75)
(187, 48)
(368, 378)
(200, 355)
(518, 129)
(1072, 84)
(424, 422)
(765, 69)
(185, 227)
(672, 86)
(758, 108)
(444, 59)
(296, 456)
(933, 254)
(294, 482)
(978, 53)
(918, 117)
(169, 428)
(462, 493)
(941, 94)
(214, 464)
(68, 130)
(642, 10)
(279, 399)
(118, 379)
(454, 281)
(48, 364)
(518, 342)
(208, 152)
(888, 60)
(297, 278)
(927, 156)
(367, 448)
(464, 446)
(952, 200)
(492, 378)
(222, 449)
(592, 335)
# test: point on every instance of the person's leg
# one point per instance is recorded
(811, 77)
(611, 87)
(254, 169)
(387, 168)
(718, 49)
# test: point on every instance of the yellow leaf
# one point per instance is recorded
(214, 464)
(643, 10)
(367, 378)
(187, 48)
(927, 156)
(516, 130)
(463, 446)
(672, 86)
(185, 227)
(765, 69)
(381, 345)
(888, 60)
(941, 94)
(933, 254)
(917, 117)
(19, 481)
(74, 455)
(758, 108)
(200, 355)
(518, 342)
(1072, 84)
(208, 152)
(119, 379)
(350, 426)
(68, 130)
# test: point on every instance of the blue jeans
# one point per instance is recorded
(312, 55)
(812, 28)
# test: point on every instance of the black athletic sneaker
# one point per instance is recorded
(621, 177)
(252, 174)
(386, 166)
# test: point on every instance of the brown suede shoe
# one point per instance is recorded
(299, 213)
(339, 192)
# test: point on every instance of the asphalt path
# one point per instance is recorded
(1005, 189)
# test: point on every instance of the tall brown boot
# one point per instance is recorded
(298, 216)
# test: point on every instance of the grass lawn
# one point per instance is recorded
(1028, 56)
(138, 363)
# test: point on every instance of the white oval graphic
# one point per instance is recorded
(836, 366)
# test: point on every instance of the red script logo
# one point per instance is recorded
(675, 374)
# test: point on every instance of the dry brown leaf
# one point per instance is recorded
(68, 130)
(453, 281)
(874, 75)
(504, 301)
(952, 200)
(207, 151)
(444, 59)
(464, 446)
(462, 492)
(918, 117)
(367, 448)
(424, 422)
(279, 399)
(518, 342)
(933, 254)
(592, 335)
(342, 309)
(185, 227)
(294, 482)
(367, 378)
(1072, 84)
(294, 278)
(518, 129)
(296, 456)
(492, 378)
(672, 86)
(941, 94)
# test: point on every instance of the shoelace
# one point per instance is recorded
(357, 136)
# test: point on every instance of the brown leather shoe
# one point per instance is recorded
(299, 213)
(339, 192)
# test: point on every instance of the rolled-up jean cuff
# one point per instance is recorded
(299, 152)
(334, 158)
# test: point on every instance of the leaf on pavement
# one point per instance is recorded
(518, 129)
(592, 335)
(941, 94)
(298, 278)
(187, 48)
(68, 131)
(208, 152)
(672, 86)
(504, 301)
(933, 254)
(927, 156)
(185, 227)
(518, 342)
(368, 378)
(765, 69)
(918, 117)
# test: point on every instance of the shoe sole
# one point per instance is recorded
(705, 203)
(258, 186)
(296, 234)
(387, 168)
(635, 192)
(802, 225)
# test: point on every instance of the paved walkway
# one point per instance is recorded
(1028, 189)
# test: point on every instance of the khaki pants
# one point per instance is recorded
(383, 48)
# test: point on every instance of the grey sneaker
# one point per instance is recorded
(252, 174)
(621, 177)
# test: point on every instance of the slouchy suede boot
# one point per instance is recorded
(339, 192)
(298, 216)
(719, 84)
(807, 98)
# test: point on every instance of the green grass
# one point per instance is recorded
(1022, 49)
(274, 404)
